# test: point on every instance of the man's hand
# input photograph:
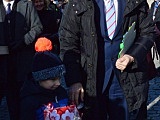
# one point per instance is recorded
(123, 62)
(75, 91)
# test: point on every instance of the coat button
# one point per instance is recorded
(92, 33)
(90, 65)
(90, 7)
(88, 78)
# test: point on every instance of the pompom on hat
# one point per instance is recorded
(46, 65)
(43, 44)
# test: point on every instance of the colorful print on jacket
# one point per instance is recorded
(60, 110)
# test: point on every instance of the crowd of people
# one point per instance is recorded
(77, 42)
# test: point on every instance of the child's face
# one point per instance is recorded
(50, 84)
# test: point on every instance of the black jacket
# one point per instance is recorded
(48, 19)
(33, 97)
(50, 25)
(134, 79)
(79, 47)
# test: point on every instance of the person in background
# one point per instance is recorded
(19, 26)
(61, 4)
(154, 13)
(111, 88)
(53, 5)
(3, 51)
(58, 6)
(49, 20)
(44, 83)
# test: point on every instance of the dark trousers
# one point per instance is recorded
(13, 99)
(13, 90)
(111, 105)
(91, 110)
(113, 101)
(3, 75)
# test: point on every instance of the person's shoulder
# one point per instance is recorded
(29, 88)
(77, 2)
(25, 0)
(78, 6)
(30, 2)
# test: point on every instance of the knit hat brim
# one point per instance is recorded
(49, 73)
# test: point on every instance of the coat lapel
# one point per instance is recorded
(100, 4)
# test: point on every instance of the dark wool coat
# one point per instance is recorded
(79, 47)
(134, 80)
(25, 26)
(48, 19)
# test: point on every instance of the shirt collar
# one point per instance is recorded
(5, 3)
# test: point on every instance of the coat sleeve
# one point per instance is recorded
(146, 37)
(69, 35)
(35, 26)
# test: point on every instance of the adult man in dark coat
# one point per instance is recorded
(90, 57)
(19, 28)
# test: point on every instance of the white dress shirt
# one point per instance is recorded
(5, 3)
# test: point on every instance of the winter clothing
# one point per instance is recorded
(33, 97)
(49, 21)
(134, 80)
(156, 22)
(46, 65)
(84, 59)
(24, 30)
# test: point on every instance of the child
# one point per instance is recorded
(43, 93)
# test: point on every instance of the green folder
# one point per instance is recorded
(128, 40)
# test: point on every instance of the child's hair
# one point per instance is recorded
(46, 65)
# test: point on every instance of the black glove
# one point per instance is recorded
(16, 46)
